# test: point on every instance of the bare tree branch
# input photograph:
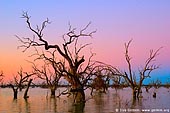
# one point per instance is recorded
(128, 60)
(71, 70)
(144, 73)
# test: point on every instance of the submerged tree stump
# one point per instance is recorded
(154, 95)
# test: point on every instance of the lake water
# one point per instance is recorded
(111, 102)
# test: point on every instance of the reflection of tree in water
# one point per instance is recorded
(17, 106)
(52, 104)
(21, 107)
(67, 105)
(135, 103)
(117, 99)
(99, 102)
(78, 108)
(122, 100)
(27, 106)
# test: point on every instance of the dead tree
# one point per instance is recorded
(19, 82)
(101, 75)
(26, 91)
(98, 84)
(155, 83)
(72, 57)
(144, 72)
(51, 71)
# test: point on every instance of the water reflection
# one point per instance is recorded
(63, 105)
(77, 108)
(52, 104)
(27, 106)
(19, 106)
(137, 103)
(100, 103)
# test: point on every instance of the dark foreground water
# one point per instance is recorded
(112, 102)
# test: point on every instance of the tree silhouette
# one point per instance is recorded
(101, 74)
(75, 74)
(144, 72)
(51, 71)
(19, 82)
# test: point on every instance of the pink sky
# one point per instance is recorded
(146, 22)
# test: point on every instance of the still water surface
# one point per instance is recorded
(111, 102)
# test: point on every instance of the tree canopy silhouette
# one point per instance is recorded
(144, 72)
(77, 71)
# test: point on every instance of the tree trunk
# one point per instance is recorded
(53, 92)
(78, 108)
(134, 93)
(15, 93)
(81, 96)
(139, 92)
(26, 91)
(77, 89)
(147, 89)
(78, 94)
